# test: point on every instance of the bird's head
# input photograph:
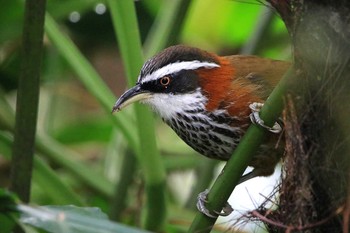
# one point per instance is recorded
(180, 78)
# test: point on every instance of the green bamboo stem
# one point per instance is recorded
(27, 98)
(226, 182)
(127, 33)
(126, 28)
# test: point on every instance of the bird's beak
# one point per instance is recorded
(132, 95)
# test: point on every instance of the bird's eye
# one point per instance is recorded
(165, 81)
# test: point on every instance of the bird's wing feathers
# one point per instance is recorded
(263, 72)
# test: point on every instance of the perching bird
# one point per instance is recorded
(205, 99)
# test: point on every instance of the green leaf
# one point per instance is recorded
(43, 175)
(71, 219)
(8, 201)
(7, 207)
(11, 20)
(60, 154)
(96, 130)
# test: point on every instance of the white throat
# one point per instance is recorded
(169, 105)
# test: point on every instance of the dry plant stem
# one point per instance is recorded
(296, 185)
(295, 228)
(346, 212)
(27, 98)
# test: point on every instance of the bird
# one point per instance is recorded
(210, 101)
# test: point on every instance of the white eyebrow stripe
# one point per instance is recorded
(176, 67)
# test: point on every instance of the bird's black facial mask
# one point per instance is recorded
(185, 81)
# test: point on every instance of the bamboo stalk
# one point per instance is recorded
(127, 32)
(27, 98)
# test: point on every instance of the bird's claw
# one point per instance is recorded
(202, 199)
(255, 118)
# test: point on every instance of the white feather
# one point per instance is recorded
(168, 105)
(176, 67)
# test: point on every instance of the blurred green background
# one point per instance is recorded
(83, 153)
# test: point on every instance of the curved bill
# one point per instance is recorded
(132, 95)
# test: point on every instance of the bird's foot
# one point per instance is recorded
(202, 199)
(255, 118)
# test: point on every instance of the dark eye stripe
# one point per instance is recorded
(185, 81)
